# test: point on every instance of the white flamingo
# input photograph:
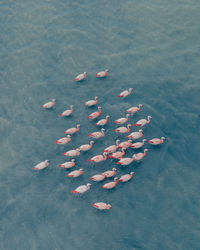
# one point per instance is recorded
(133, 110)
(97, 135)
(121, 121)
(111, 184)
(143, 122)
(123, 130)
(81, 189)
(91, 103)
(41, 165)
(98, 158)
(49, 105)
(63, 140)
(125, 93)
(72, 130)
(156, 141)
(101, 205)
(118, 154)
(95, 114)
(109, 173)
(125, 144)
(67, 164)
(126, 177)
(102, 73)
(135, 135)
(80, 77)
(140, 156)
(102, 122)
(112, 148)
(138, 144)
(86, 147)
(67, 112)
(75, 173)
(72, 153)
(98, 177)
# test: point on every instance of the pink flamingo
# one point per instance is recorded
(91, 102)
(117, 155)
(126, 177)
(125, 93)
(123, 130)
(121, 121)
(81, 189)
(111, 184)
(140, 156)
(63, 140)
(72, 130)
(67, 112)
(156, 141)
(143, 122)
(138, 144)
(102, 122)
(109, 173)
(101, 206)
(86, 147)
(135, 135)
(133, 110)
(67, 164)
(125, 144)
(102, 73)
(49, 105)
(72, 153)
(98, 177)
(97, 135)
(98, 158)
(75, 173)
(41, 165)
(125, 161)
(112, 148)
(80, 77)
(95, 114)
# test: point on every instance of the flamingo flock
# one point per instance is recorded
(115, 152)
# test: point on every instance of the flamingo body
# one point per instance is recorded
(133, 110)
(98, 177)
(86, 147)
(63, 140)
(109, 173)
(98, 158)
(67, 112)
(125, 161)
(135, 135)
(117, 155)
(80, 77)
(68, 164)
(97, 135)
(72, 153)
(140, 156)
(138, 144)
(126, 177)
(49, 105)
(142, 122)
(111, 184)
(75, 173)
(123, 130)
(102, 122)
(101, 206)
(95, 114)
(91, 103)
(72, 130)
(156, 141)
(41, 165)
(125, 144)
(125, 93)
(102, 74)
(81, 189)
(121, 121)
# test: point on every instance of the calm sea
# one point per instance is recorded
(151, 46)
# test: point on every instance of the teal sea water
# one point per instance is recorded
(151, 46)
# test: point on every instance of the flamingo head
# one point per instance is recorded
(95, 98)
(116, 178)
(145, 150)
(78, 125)
(129, 141)
(114, 169)
(71, 106)
(106, 70)
(140, 130)
(108, 206)
(47, 162)
(91, 142)
(144, 140)
(73, 160)
(88, 185)
(85, 73)
(105, 154)
(123, 149)
(130, 89)
(129, 125)
(68, 136)
(53, 100)
(140, 105)
(163, 138)
(149, 117)
(107, 116)
(132, 173)
(117, 142)
(99, 108)
(102, 130)
(127, 115)
(81, 169)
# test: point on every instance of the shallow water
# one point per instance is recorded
(150, 46)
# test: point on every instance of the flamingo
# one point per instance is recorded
(80, 77)
(125, 144)
(67, 112)
(117, 155)
(156, 141)
(109, 173)
(95, 114)
(121, 121)
(63, 140)
(126, 177)
(49, 105)
(98, 158)
(102, 122)
(81, 189)
(112, 148)
(72, 130)
(123, 130)
(75, 173)
(125, 161)
(125, 93)
(97, 135)
(111, 184)
(68, 164)
(86, 147)
(72, 153)
(140, 156)
(138, 144)
(91, 102)
(41, 165)
(102, 73)
(143, 122)
(101, 206)
(135, 135)
(98, 177)
(133, 110)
